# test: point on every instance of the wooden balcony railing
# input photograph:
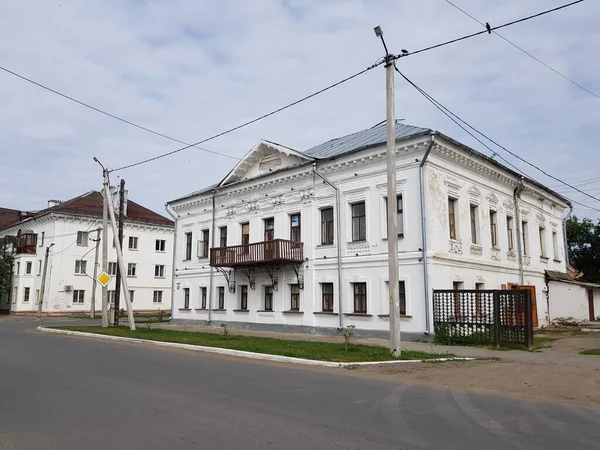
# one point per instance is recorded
(26, 244)
(269, 252)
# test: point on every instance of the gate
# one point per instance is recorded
(489, 317)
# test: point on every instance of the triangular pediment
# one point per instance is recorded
(265, 157)
(474, 192)
(492, 198)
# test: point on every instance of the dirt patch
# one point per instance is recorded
(575, 384)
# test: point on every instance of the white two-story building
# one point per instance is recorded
(69, 230)
(297, 240)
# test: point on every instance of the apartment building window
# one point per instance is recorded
(157, 296)
(555, 246)
(203, 297)
(327, 296)
(510, 233)
(82, 238)
(246, 236)
(112, 295)
(39, 269)
(188, 246)
(494, 228)
(399, 215)
(131, 269)
(221, 297)
(160, 245)
(402, 297)
(295, 228)
(359, 222)
(294, 297)
(327, 226)
(80, 267)
(26, 295)
(269, 229)
(112, 268)
(543, 250)
(452, 203)
(474, 224)
(205, 244)
(524, 237)
(131, 296)
(42, 237)
(223, 237)
(244, 297)
(28, 267)
(78, 296)
(133, 243)
(360, 298)
(268, 298)
(186, 298)
(159, 271)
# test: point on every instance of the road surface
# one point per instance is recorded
(60, 392)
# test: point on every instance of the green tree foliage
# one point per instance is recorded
(583, 238)
(6, 267)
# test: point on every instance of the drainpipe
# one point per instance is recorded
(517, 196)
(212, 269)
(424, 233)
(339, 243)
(567, 261)
(174, 217)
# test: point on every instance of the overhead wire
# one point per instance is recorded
(75, 241)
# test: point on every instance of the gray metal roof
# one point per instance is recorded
(361, 140)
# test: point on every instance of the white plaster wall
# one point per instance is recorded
(597, 303)
(568, 300)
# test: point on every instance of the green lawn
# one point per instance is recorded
(595, 352)
(322, 351)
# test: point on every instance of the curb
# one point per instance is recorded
(243, 354)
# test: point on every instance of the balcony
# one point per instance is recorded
(277, 251)
(26, 243)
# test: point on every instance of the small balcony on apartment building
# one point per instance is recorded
(275, 251)
(26, 243)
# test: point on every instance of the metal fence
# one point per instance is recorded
(491, 317)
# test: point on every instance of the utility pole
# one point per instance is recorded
(113, 222)
(121, 218)
(392, 202)
(43, 286)
(104, 240)
(95, 281)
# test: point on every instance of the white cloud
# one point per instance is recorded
(191, 69)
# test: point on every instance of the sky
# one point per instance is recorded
(193, 68)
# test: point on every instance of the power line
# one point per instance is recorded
(527, 53)
(444, 109)
(73, 243)
(583, 183)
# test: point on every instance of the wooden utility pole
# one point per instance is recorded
(43, 286)
(95, 281)
(121, 219)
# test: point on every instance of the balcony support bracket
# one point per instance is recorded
(229, 275)
(248, 274)
(299, 277)
(271, 273)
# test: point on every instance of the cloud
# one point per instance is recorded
(194, 68)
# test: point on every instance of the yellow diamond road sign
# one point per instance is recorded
(104, 278)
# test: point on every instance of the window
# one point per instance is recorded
(245, 234)
(457, 286)
(188, 246)
(82, 238)
(28, 267)
(80, 267)
(510, 233)
(18, 268)
(42, 237)
(39, 271)
(295, 228)
(26, 295)
(112, 268)
(157, 297)
(474, 224)
(112, 295)
(359, 222)
(131, 296)
(78, 296)
(223, 237)
(327, 226)
(360, 298)
(186, 298)
(131, 269)
(478, 298)
(494, 228)
(402, 297)
(244, 297)
(543, 251)
(269, 229)
(205, 244)
(555, 246)
(399, 215)
(159, 271)
(37, 296)
(525, 233)
(327, 296)
(268, 298)
(452, 217)
(133, 243)
(295, 297)
(203, 297)
(160, 245)
(221, 294)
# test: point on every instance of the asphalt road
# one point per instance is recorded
(59, 392)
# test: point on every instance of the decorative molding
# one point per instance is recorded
(508, 204)
(278, 201)
(474, 193)
(495, 255)
(230, 213)
(541, 218)
(253, 207)
(511, 256)
(307, 196)
(527, 260)
(360, 250)
(554, 226)
(455, 247)
(476, 250)
(492, 199)
(453, 185)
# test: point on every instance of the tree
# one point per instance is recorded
(583, 239)
(6, 267)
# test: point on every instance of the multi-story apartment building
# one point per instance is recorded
(69, 230)
(298, 240)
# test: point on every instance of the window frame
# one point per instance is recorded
(543, 246)
(157, 296)
(494, 228)
(160, 268)
(188, 246)
(131, 273)
(203, 295)
(132, 243)
(358, 222)
(510, 233)
(82, 238)
(186, 298)
(269, 231)
(402, 297)
(555, 247)
(205, 236)
(221, 297)
(26, 294)
(294, 297)
(474, 219)
(327, 297)
(76, 297)
(131, 295)
(359, 299)
(42, 238)
(115, 265)
(399, 215)
(80, 267)
(244, 297)
(326, 225)
(525, 237)
(160, 245)
(268, 298)
(452, 224)
(28, 267)
(245, 233)
(223, 236)
(296, 231)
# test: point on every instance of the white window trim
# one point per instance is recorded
(383, 213)
(352, 197)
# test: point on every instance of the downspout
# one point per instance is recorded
(567, 261)
(424, 233)
(173, 274)
(212, 245)
(517, 196)
(339, 244)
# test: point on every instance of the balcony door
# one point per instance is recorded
(270, 249)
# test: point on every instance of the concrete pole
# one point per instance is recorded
(43, 286)
(95, 282)
(120, 237)
(105, 248)
(113, 222)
